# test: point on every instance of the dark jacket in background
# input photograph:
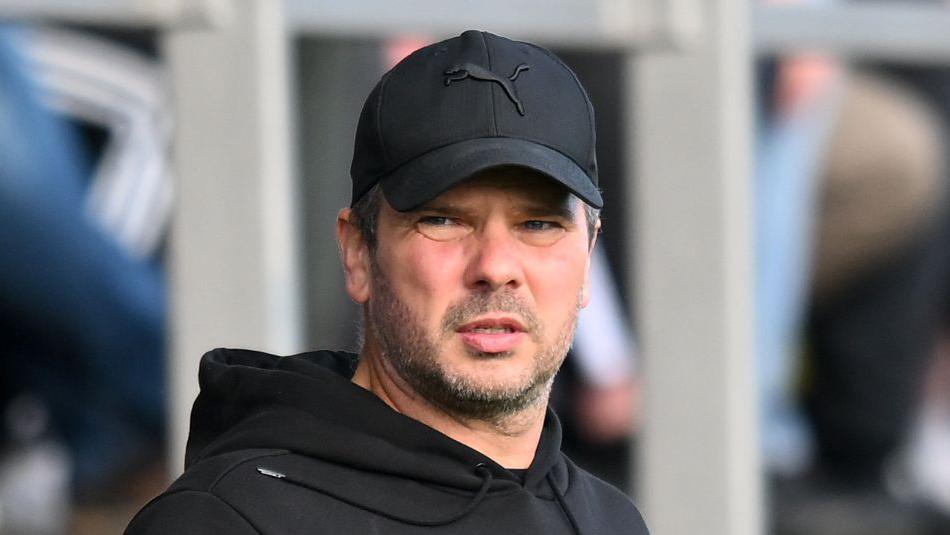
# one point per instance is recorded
(290, 445)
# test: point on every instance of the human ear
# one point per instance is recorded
(354, 253)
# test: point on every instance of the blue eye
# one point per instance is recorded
(540, 225)
(436, 221)
(441, 228)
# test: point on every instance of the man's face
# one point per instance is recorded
(474, 297)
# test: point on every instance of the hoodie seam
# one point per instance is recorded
(224, 502)
(491, 89)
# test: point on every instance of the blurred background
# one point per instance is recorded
(768, 346)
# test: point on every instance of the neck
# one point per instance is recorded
(510, 441)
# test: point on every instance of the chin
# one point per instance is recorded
(494, 374)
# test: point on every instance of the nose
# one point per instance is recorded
(495, 261)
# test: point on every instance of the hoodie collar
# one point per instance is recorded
(307, 404)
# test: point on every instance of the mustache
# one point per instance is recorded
(479, 304)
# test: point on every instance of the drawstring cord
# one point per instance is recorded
(563, 504)
(480, 468)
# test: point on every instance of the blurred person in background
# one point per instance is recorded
(83, 200)
(878, 274)
(850, 202)
(873, 316)
(920, 473)
(864, 223)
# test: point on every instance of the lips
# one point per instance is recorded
(493, 335)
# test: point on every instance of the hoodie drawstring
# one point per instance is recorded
(563, 503)
(480, 468)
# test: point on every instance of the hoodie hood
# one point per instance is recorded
(306, 404)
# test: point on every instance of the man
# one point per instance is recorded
(468, 244)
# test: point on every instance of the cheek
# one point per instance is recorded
(427, 277)
(556, 279)
(561, 265)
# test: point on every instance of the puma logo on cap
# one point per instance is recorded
(457, 73)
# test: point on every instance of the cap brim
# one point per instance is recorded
(426, 177)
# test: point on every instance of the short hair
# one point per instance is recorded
(365, 214)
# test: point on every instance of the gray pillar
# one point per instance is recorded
(691, 115)
(234, 257)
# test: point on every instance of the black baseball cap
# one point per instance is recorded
(468, 104)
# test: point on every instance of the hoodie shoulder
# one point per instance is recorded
(189, 512)
(191, 506)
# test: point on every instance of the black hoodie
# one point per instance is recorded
(290, 445)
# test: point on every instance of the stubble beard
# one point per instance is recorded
(415, 356)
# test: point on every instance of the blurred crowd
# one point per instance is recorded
(852, 225)
(84, 199)
(852, 175)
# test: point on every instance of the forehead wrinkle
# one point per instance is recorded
(565, 210)
(533, 194)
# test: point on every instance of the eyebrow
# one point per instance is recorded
(564, 210)
(443, 208)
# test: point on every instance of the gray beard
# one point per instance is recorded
(414, 356)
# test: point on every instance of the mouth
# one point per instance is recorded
(493, 335)
(493, 325)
